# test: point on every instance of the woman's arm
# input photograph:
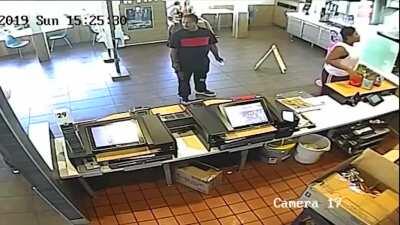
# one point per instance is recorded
(334, 56)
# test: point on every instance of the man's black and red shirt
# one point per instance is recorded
(193, 48)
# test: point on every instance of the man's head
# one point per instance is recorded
(350, 35)
(189, 22)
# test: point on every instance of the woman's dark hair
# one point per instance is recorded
(191, 16)
(177, 3)
(346, 32)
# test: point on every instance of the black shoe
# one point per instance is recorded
(185, 100)
(207, 93)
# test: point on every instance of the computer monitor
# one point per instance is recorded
(244, 114)
(115, 134)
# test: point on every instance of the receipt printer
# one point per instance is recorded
(286, 123)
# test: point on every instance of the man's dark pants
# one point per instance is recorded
(184, 89)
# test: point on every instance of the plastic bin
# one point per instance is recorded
(277, 151)
(311, 147)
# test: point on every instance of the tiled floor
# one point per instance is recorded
(245, 197)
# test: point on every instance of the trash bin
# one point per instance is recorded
(311, 147)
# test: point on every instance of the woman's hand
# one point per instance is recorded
(350, 71)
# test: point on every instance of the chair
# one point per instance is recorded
(12, 42)
(101, 37)
(55, 37)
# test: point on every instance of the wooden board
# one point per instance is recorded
(347, 90)
(165, 110)
(126, 153)
(250, 132)
(115, 116)
(216, 101)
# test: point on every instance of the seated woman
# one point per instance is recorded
(341, 59)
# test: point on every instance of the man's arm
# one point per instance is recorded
(214, 51)
(174, 53)
(175, 59)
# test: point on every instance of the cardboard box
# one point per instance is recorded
(357, 208)
(199, 176)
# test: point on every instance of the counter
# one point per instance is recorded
(314, 19)
(363, 29)
(330, 114)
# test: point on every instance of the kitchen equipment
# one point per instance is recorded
(356, 79)
(378, 80)
(368, 81)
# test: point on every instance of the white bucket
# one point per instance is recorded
(307, 154)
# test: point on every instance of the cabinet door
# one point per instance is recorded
(295, 26)
(261, 15)
(310, 33)
(279, 18)
(324, 38)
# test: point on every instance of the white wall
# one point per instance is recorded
(391, 20)
(201, 5)
(47, 8)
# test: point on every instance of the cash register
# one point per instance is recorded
(227, 123)
(146, 135)
(117, 141)
(230, 123)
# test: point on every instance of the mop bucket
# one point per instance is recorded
(311, 147)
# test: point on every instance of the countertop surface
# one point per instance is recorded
(315, 19)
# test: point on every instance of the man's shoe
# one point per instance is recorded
(15, 171)
(185, 100)
(207, 93)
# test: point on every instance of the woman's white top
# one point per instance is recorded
(350, 61)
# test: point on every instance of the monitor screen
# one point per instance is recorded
(117, 133)
(246, 114)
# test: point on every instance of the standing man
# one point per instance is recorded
(189, 53)
(174, 10)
